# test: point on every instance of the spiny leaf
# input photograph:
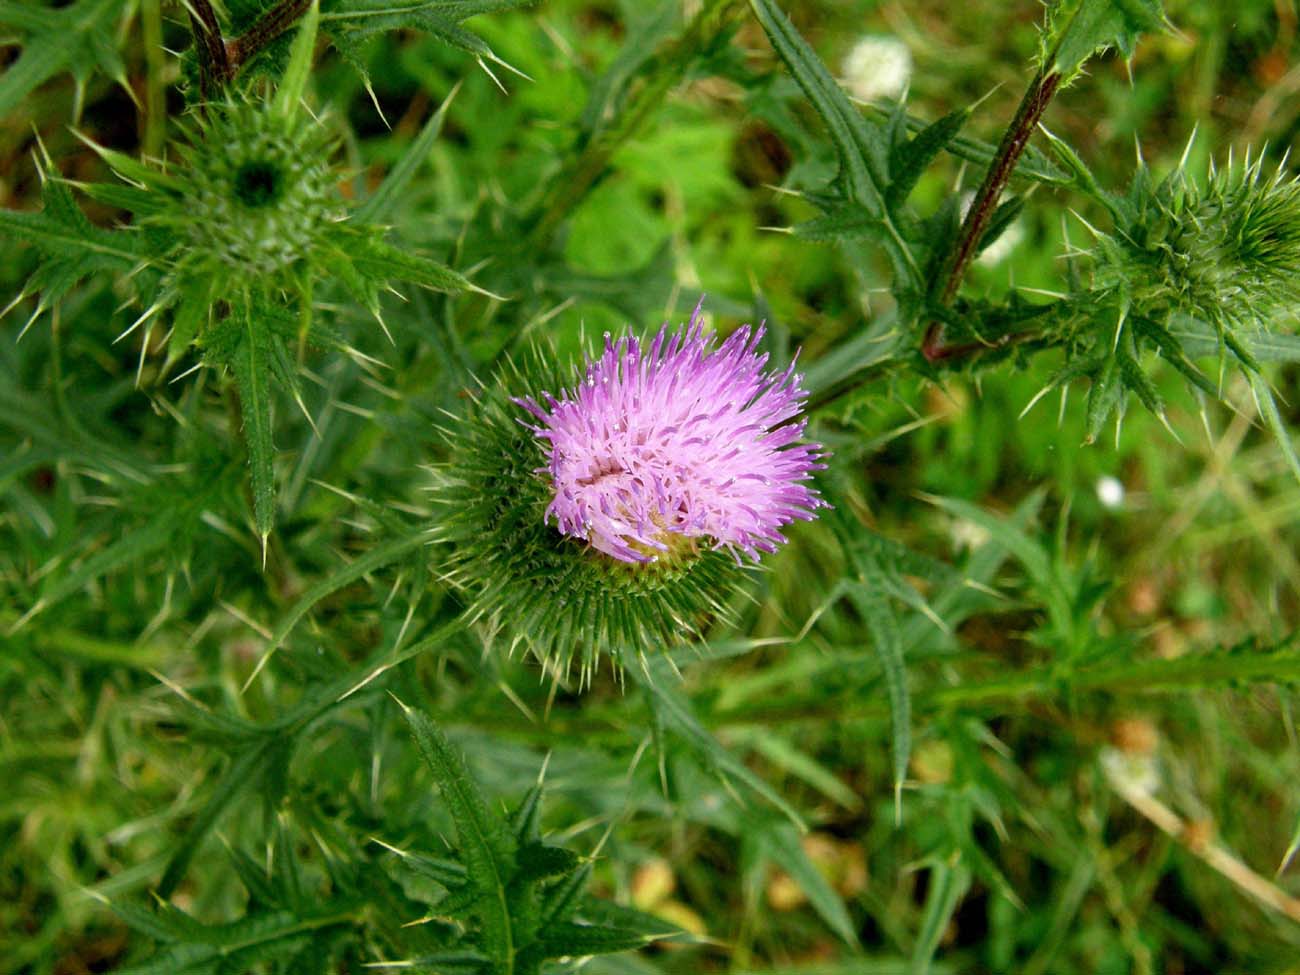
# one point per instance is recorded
(62, 230)
(909, 159)
(241, 945)
(349, 23)
(779, 843)
(1078, 29)
(566, 939)
(376, 558)
(486, 845)
(538, 861)
(948, 885)
(293, 83)
(883, 627)
(241, 776)
(860, 146)
(252, 368)
(676, 714)
(380, 204)
(1273, 419)
(77, 38)
(383, 262)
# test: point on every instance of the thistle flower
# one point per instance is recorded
(619, 514)
(659, 447)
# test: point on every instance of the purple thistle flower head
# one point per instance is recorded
(663, 444)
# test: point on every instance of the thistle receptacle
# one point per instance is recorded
(617, 514)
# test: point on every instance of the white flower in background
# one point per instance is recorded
(1110, 492)
(879, 66)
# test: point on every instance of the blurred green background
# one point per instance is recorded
(1162, 543)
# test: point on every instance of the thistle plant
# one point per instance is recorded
(321, 518)
(625, 519)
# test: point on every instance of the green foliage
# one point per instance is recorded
(349, 24)
(76, 39)
(1010, 705)
(523, 895)
(1078, 29)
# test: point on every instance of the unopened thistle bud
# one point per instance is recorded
(617, 514)
(257, 192)
(1225, 252)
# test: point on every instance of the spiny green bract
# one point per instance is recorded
(1226, 252)
(540, 589)
(261, 203)
(1189, 266)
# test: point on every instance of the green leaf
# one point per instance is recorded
(860, 146)
(380, 204)
(293, 83)
(676, 714)
(910, 159)
(244, 772)
(383, 262)
(252, 368)
(62, 230)
(567, 939)
(779, 842)
(486, 846)
(843, 223)
(376, 558)
(1268, 411)
(1078, 29)
(884, 629)
(241, 945)
(784, 755)
(538, 861)
(948, 885)
(133, 545)
(77, 38)
(349, 23)
(1104, 396)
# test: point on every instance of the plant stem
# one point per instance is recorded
(585, 170)
(265, 29)
(221, 59)
(155, 105)
(1014, 140)
(214, 62)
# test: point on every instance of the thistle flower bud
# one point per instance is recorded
(1226, 252)
(258, 192)
(616, 515)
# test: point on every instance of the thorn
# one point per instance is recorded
(192, 369)
(1034, 401)
(144, 350)
(374, 100)
(147, 314)
(297, 398)
(10, 307)
(1187, 150)
(483, 291)
(495, 80)
(509, 67)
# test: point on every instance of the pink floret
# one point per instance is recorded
(679, 438)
